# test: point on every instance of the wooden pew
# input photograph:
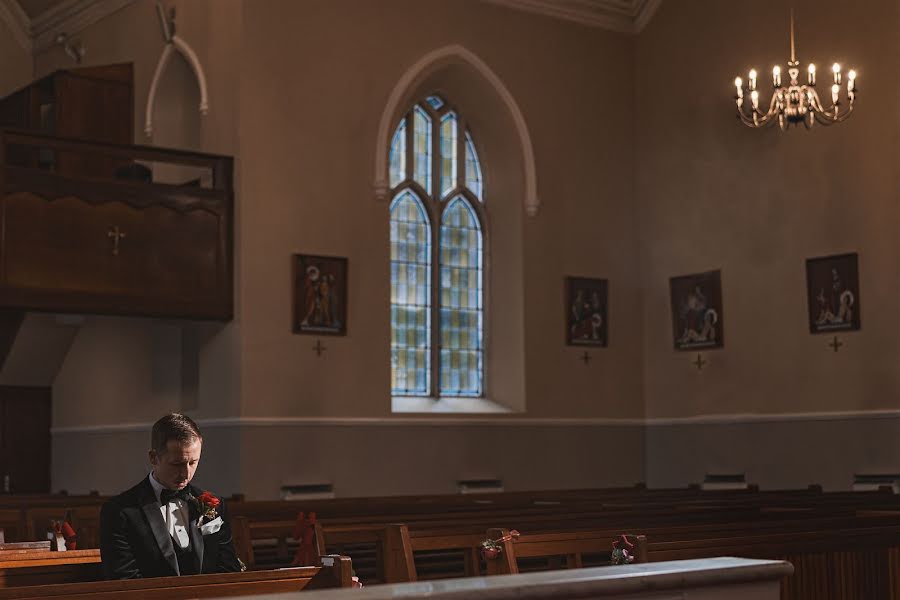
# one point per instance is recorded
(37, 567)
(335, 572)
(573, 547)
(84, 519)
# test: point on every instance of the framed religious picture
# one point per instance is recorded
(320, 294)
(587, 309)
(697, 316)
(832, 293)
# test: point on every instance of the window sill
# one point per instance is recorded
(413, 404)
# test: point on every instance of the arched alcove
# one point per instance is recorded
(498, 132)
(477, 74)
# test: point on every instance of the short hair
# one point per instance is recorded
(174, 426)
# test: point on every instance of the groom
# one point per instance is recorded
(165, 526)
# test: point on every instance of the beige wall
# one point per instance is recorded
(311, 100)
(713, 194)
(643, 174)
(296, 93)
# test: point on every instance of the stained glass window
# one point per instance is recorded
(473, 168)
(448, 154)
(410, 296)
(398, 155)
(436, 293)
(422, 142)
(461, 300)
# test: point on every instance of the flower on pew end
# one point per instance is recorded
(491, 549)
(621, 552)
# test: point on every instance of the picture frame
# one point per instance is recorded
(319, 294)
(832, 292)
(698, 320)
(587, 311)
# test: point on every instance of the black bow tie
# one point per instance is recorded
(166, 496)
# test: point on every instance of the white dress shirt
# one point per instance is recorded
(175, 514)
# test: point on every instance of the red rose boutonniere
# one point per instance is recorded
(206, 505)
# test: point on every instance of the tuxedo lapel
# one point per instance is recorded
(197, 540)
(150, 506)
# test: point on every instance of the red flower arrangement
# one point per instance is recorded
(207, 504)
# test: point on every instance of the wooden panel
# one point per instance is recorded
(75, 244)
(26, 438)
(66, 245)
(93, 104)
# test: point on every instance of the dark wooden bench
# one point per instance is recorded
(335, 572)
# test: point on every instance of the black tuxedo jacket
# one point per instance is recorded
(134, 541)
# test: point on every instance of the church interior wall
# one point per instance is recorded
(300, 116)
(713, 194)
(642, 175)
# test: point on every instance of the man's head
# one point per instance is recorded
(175, 445)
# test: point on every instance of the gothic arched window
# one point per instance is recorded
(437, 255)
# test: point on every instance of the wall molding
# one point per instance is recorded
(622, 16)
(226, 422)
(753, 418)
(504, 421)
(69, 17)
(15, 19)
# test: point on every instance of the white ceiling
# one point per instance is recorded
(36, 23)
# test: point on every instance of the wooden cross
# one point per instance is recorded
(116, 235)
(319, 348)
(586, 358)
(836, 343)
(699, 362)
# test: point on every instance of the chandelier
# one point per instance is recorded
(794, 103)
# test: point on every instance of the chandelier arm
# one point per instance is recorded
(828, 117)
(759, 121)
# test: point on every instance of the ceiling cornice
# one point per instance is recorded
(623, 16)
(15, 19)
(68, 17)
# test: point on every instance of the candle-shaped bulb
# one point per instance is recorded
(851, 80)
(834, 93)
(811, 70)
(776, 76)
(836, 69)
(754, 97)
(851, 75)
(752, 77)
(738, 84)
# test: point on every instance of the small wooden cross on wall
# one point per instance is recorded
(699, 362)
(836, 343)
(319, 348)
(585, 358)
(116, 234)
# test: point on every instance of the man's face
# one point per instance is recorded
(175, 467)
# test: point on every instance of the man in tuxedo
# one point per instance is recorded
(159, 528)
